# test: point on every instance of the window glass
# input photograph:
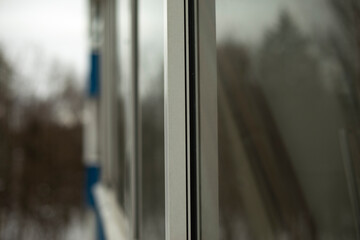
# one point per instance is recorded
(288, 100)
(150, 71)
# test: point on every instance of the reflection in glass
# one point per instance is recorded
(152, 118)
(289, 82)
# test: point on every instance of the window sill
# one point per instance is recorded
(112, 217)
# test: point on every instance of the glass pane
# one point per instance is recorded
(289, 113)
(151, 100)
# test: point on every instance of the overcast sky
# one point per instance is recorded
(42, 32)
(35, 33)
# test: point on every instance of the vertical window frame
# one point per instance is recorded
(175, 121)
(205, 47)
(191, 155)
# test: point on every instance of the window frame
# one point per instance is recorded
(190, 119)
(191, 155)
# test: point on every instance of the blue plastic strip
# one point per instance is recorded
(99, 226)
(94, 79)
(92, 174)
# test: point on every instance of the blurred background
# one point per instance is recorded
(43, 67)
(288, 116)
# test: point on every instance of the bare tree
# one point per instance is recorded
(41, 172)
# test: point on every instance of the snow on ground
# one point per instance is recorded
(80, 226)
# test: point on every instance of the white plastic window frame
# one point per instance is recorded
(116, 224)
(191, 121)
(108, 106)
(190, 67)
